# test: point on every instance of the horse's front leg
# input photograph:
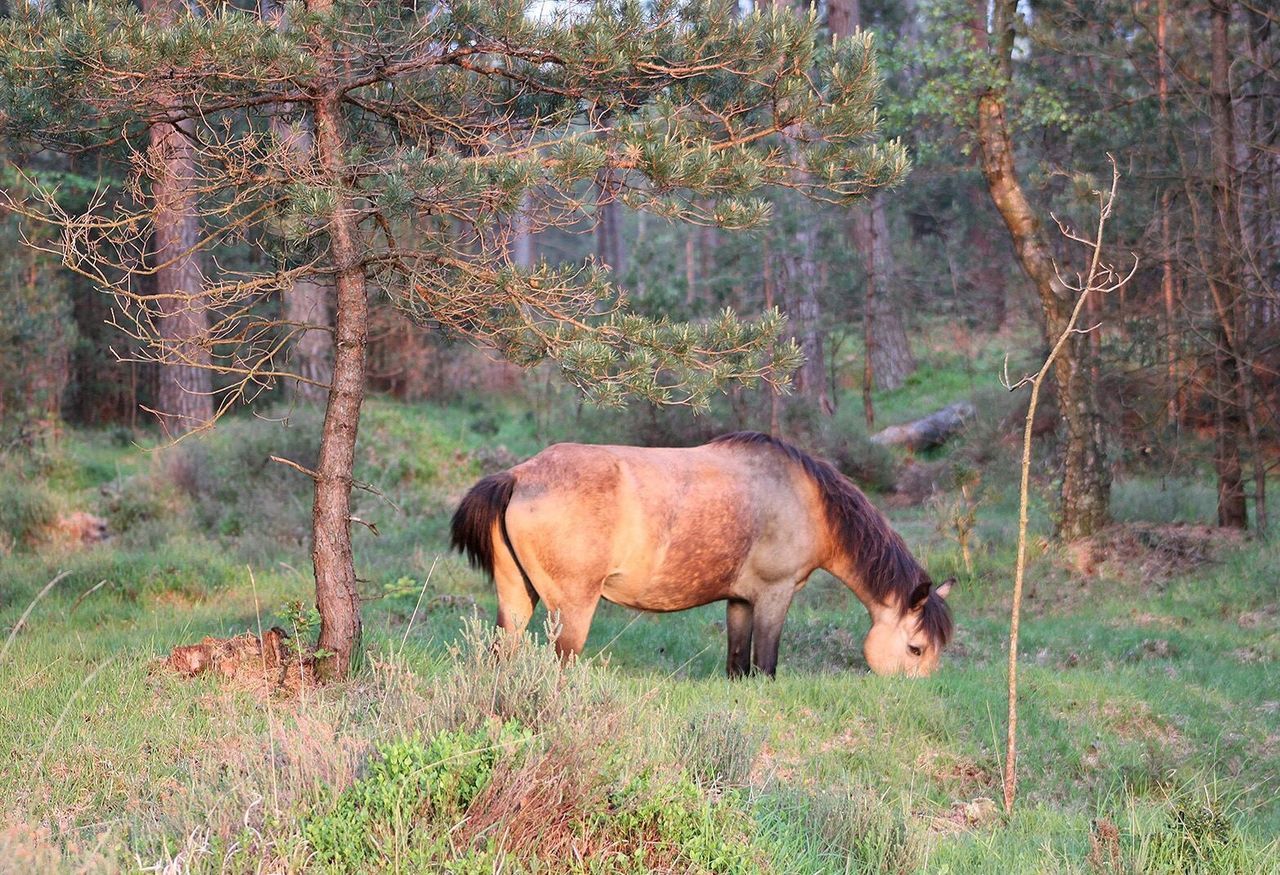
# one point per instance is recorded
(738, 662)
(769, 613)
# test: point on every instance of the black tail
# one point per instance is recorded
(472, 525)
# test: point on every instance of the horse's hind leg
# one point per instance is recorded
(516, 597)
(574, 617)
(738, 621)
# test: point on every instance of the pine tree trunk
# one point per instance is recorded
(184, 396)
(609, 237)
(305, 302)
(1167, 288)
(796, 283)
(1224, 280)
(337, 597)
(1086, 485)
(523, 252)
(888, 350)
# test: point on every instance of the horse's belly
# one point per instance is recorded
(665, 592)
(671, 589)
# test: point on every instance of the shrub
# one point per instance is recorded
(719, 750)
(26, 509)
(529, 763)
(236, 489)
(1198, 836)
(407, 804)
(857, 828)
(491, 676)
(670, 825)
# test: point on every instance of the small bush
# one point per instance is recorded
(665, 825)
(235, 488)
(1198, 836)
(492, 676)
(26, 509)
(408, 803)
(576, 789)
(869, 465)
(719, 750)
(857, 831)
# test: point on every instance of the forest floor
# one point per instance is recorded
(1150, 722)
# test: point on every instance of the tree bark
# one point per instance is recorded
(1224, 280)
(306, 302)
(888, 351)
(609, 236)
(184, 395)
(523, 251)
(1086, 484)
(608, 232)
(887, 346)
(337, 597)
(797, 284)
(1167, 289)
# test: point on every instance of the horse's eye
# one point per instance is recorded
(914, 651)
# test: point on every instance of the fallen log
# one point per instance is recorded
(927, 432)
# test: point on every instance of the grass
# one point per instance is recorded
(1150, 706)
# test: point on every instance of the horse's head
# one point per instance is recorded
(908, 639)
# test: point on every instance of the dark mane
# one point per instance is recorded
(888, 569)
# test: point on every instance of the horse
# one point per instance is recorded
(744, 518)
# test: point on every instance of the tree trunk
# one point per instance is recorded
(690, 269)
(886, 340)
(609, 237)
(1086, 484)
(1167, 288)
(523, 251)
(888, 352)
(306, 301)
(337, 598)
(1224, 280)
(608, 217)
(796, 283)
(184, 396)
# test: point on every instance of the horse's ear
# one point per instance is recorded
(944, 589)
(920, 595)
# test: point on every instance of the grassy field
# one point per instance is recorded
(1150, 691)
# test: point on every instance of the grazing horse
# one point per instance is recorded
(745, 518)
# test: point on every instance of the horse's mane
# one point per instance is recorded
(881, 556)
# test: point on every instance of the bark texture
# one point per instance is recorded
(337, 597)
(796, 283)
(1224, 281)
(1086, 483)
(888, 350)
(305, 303)
(184, 395)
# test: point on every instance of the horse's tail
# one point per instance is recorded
(481, 511)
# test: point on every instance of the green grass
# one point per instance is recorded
(1140, 698)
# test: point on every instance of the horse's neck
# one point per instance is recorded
(843, 567)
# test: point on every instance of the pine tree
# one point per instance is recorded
(436, 126)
